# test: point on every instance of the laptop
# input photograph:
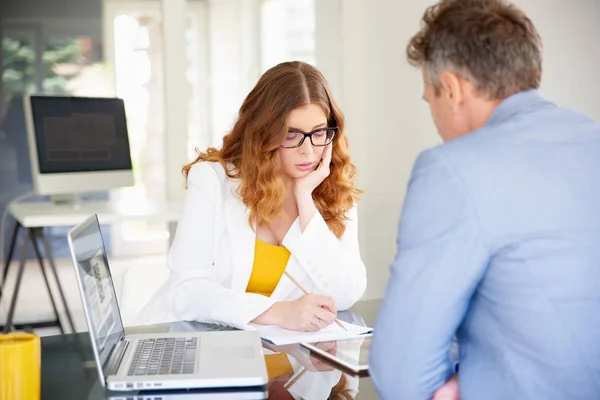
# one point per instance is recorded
(154, 361)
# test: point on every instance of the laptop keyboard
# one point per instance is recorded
(164, 356)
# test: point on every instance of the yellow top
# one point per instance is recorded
(269, 263)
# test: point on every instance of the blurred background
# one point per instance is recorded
(184, 67)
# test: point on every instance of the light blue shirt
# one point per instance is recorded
(499, 243)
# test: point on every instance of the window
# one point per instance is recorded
(287, 32)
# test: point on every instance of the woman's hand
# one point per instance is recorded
(306, 185)
(311, 312)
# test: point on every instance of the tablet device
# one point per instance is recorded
(350, 355)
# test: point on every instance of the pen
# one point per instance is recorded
(291, 278)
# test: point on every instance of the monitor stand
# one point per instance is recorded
(70, 199)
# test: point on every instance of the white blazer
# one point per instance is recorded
(212, 256)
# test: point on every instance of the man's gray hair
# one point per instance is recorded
(491, 43)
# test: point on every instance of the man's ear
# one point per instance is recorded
(452, 89)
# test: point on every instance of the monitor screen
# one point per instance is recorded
(80, 134)
(97, 289)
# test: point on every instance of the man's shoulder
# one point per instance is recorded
(478, 154)
(527, 128)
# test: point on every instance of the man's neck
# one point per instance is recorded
(480, 111)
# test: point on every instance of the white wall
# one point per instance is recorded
(389, 124)
(234, 56)
(570, 31)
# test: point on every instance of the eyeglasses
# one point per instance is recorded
(318, 137)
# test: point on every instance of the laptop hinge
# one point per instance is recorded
(116, 356)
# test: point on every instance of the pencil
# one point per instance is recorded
(291, 278)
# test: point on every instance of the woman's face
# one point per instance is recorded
(298, 162)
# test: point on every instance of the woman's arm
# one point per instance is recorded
(195, 290)
(334, 265)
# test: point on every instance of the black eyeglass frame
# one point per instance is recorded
(309, 135)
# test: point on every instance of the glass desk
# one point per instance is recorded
(69, 370)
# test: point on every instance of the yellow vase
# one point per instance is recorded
(20, 366)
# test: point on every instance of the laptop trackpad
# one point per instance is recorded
(230, 354)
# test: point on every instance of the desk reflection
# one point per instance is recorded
(294, 374)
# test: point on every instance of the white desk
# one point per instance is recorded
(46, 214)
(35, 216)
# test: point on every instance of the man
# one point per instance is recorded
(499, 240)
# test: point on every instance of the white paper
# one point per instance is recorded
(280, 336)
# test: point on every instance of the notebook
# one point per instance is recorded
(280, 336)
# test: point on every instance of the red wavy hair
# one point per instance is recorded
(249, 151)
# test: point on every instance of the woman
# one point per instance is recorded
(277, 196)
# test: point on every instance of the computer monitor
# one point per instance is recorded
(77, 144)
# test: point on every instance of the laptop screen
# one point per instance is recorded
(97, 289)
